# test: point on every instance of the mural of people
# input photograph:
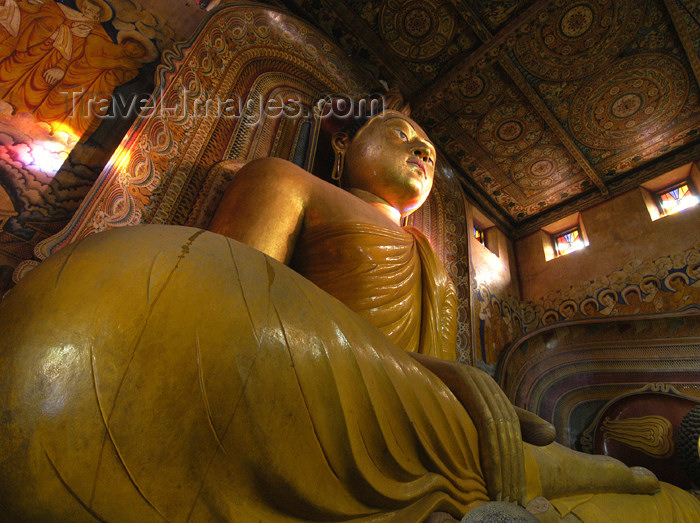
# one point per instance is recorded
(609, 301)
(9, 26)
(103, 67)
(60, 51)
(568, 310)
(49, 41)
(694, 272)
(653, 301)
(590, 307)
(632, 299)
(484, 327)
(678, 283)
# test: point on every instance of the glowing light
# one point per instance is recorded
(676, 199)
(479, 235)
(122, 157)
(65, 134)
(568, 241)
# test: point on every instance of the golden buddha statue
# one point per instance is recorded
(168, 373)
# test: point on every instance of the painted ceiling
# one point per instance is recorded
(543, 107)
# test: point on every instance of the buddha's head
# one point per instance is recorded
(390, 157)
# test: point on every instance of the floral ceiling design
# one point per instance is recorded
(545, 107)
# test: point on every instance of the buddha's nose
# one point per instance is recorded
(422, 151)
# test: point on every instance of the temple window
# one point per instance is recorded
(479, 235)
(485, 231)
(676, 198)
(672, 192)
(563, 237)
(568, 241)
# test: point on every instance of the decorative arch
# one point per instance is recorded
(245, 53)
(566, 373)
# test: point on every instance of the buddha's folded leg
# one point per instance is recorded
(593, 488)
(669, 505)
(165, 372)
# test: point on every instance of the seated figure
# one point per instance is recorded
(168, 373)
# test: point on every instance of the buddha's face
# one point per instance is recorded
(391, 157)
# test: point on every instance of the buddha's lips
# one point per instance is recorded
(420, 164)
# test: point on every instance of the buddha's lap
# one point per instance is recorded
(149, 367)
(168, 348)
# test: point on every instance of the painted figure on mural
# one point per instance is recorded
(498, 334)
(510, 333)
(679, 285)
(10, 19)
(693, 271)
(608, 300)
(590, 307)
(57, 48)
(568, 310)
(550, 317)
(484, 324)
(103, 67)
(652, 300)
(632, 299)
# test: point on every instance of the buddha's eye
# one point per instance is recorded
(402, 135)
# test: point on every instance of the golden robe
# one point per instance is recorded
(161, 372)
(392, 279)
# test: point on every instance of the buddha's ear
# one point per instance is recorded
(340, 142)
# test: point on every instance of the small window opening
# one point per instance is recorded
(568, 241)
(675, 198)
(479, 235)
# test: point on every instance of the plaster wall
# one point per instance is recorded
(619, 231)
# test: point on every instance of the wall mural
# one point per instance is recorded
(72, 77)
(640, 288)
(497, 321)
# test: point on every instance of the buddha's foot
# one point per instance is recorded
(645, 482)
(566, 472)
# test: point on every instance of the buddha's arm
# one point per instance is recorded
(264, 207)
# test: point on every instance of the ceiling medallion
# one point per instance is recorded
(632, 100)
(576, 21)
(417, 30)
(476, 93)
(541, 167)
(579, 38)
(509, 129)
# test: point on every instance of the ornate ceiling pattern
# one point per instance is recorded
(544, 107)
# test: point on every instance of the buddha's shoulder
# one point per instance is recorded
(277, 169)
(281, 176)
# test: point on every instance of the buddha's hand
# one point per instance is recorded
(500, 441)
